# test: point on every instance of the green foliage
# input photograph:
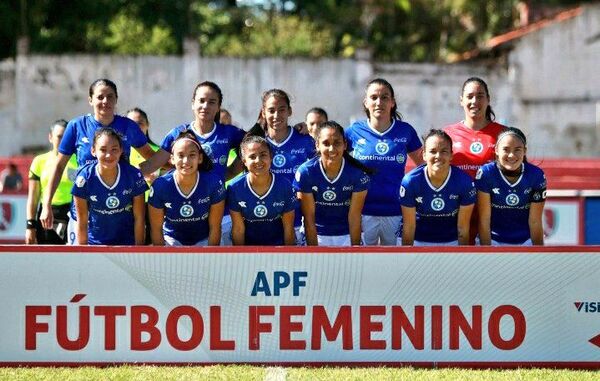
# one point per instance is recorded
(393, 30)
(128, 35)
(282, 35)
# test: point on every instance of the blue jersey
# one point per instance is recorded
(386, 153)
(79, 137)
(288, 155)
(110, 208)
(511, 202)
(216, 143)
(332, 197)
(436, 208)
(186, 216)
(262, 214)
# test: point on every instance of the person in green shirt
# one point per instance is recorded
(39, 175)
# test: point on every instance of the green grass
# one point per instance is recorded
(237, 372)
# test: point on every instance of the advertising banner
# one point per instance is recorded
(477, 306)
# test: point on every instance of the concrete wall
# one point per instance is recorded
(556, 86)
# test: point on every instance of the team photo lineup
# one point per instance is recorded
(208, 182)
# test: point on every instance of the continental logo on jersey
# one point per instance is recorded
(80, 181)
(476, 147)
(382, 148)
(260, 211)
(279, 160)
(512, 199)
(479, 174)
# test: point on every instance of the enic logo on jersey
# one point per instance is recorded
(186, 210)
(112, 202)
(512, 199)
(260, 211)
(437, 204)
(382, 148)
(400, 158)
(476, 147)
(329, 195)
(279, 160)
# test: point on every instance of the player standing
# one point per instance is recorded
(80, 134)
(186, 205)
(511, 195)
(383, 142)
(437, 198)
(332, 189)
(261, 203)
(109, 195)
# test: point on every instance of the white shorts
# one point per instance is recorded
(300, 236)
(334, 240)
(226, 231)
(526, 243)
(170, 241)
(380, 230)
(422, 243)
(71, 231)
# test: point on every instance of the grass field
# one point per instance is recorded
(236, 372)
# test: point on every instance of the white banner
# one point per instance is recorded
(479, 306)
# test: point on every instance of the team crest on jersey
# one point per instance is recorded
(512, 199)
(279, 160)
(437, 204)
(112, 202)
(382, 148)
(260, 211)
(400, 158)
(80, 181)
(223, 160)
(476, 147)
(186, 210)
(329, 195)
(402, 191)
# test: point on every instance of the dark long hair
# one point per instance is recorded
(340, 130)
(382, 82)
(260, 127)
(214, 87)
(489, 113)
(105, 82)
(207, 163)
(111, 132)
